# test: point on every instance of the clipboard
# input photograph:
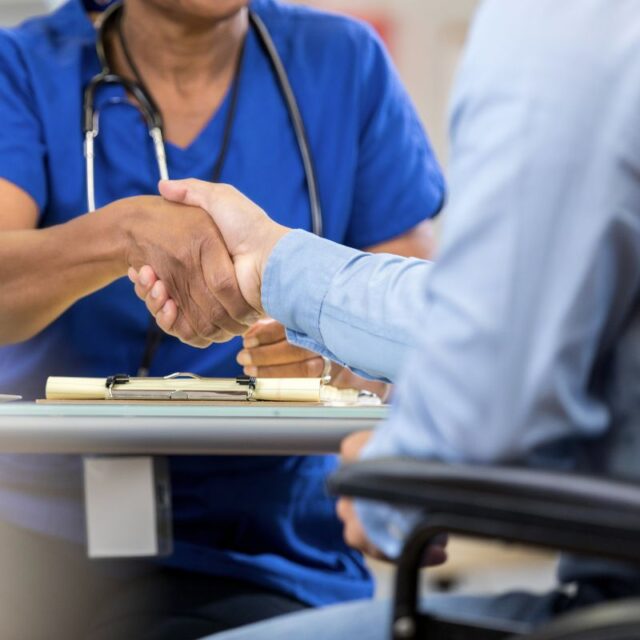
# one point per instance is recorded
(191, 388)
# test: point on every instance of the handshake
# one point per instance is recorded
(199, 267)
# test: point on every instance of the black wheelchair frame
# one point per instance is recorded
(563, 512)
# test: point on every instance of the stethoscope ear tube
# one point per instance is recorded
(103, 25)
(296, 121)
(90, 126)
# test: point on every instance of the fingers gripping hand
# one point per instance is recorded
(154, 294)
(268, 354)
(248, 233)
(354, 533)
(165, 311)
(198, 298)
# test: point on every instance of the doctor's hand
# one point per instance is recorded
(354, 533)
(249, 234)
(186, 251)
(267, 354)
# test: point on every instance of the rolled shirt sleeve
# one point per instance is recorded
(356, 308)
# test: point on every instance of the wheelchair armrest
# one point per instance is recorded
(556, 510)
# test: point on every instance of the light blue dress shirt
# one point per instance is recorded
(521, 342)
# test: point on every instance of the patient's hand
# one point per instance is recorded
(354, 534)
(267, 354)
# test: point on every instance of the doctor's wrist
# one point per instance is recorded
(111, 224)
(127, 223)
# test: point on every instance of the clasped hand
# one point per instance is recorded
(244, 237)
(210, 290)
(199, 267)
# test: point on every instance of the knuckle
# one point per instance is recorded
(187, 335)
(225, 189)
(205, 328)
(154, 305)
(223, 282)
(185, 253)
(221, 336)
(217, 315)
(313, 367)
(166, 325)
(183, 330)
(157, 306)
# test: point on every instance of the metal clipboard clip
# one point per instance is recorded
(191, 387)
(180, 386)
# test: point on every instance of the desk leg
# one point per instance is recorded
(127, 506)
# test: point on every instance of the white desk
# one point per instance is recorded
(126, 429)
(127, 497)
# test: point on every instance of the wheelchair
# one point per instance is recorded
(558, 511)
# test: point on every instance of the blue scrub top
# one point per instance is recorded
(265, 520)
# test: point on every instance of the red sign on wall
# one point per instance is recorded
(382, 22)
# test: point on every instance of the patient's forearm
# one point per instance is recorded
(365, 311)
(44, 271)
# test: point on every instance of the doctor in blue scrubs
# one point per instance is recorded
(254, 537)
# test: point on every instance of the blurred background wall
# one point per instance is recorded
(424, 36)
(12, 11)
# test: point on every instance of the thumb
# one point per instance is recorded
(195, 193)
(264, 332)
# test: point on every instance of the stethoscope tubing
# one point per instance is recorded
(153, 118)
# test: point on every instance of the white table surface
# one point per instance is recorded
(126, 429)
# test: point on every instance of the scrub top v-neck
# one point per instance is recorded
(266, 520)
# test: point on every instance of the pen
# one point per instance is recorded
(5, 398)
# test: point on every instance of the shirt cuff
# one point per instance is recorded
(297, 278)
(387, 527)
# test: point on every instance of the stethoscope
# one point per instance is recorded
(153, 117)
